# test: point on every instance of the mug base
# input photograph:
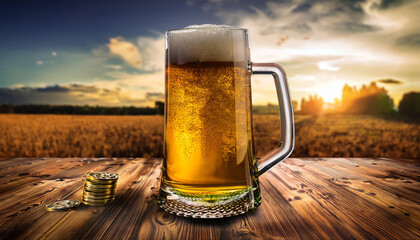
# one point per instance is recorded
(195, 207)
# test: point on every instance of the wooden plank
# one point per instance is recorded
(354, 207)
(24, 205)
(118, 220)
(323, 198)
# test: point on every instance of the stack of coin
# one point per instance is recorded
(99, 188)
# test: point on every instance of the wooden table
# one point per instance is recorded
(323, 198)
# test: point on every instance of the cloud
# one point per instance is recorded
(77, 94)
(327, 65)
(347, 29)
(389, 81)
(113, 66)
(303, 78)
(190, 2)
(219, 4)
(413, 40)
(351, 27)
(223, 1)
(398, 21)
(83, 88)
(126, 50)
(377, 15)
(341, 41)
(54, 88)
(155, 97)
(134, 83)
(142, 87)
(153, 52)
(146, 53)
(206, 7)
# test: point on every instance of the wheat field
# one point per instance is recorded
(25, 135)
(85, 136)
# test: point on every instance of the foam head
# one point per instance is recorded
(207, 43)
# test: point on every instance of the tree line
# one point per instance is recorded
(369, 99)
(82, 110)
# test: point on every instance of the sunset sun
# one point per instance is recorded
(330, 91)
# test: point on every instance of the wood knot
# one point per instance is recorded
(164, 218)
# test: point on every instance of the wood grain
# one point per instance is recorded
(324, 198)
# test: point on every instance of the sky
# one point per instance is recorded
(111, 53)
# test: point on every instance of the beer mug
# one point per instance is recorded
(209, 168)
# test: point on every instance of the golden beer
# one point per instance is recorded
(209, 169)
(208, 145)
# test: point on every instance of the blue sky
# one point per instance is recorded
(72, 52)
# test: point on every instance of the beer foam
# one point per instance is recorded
(209, 26)
(207, 43)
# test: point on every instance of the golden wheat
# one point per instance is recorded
(28, 135)
(342, 136)
(85, 136)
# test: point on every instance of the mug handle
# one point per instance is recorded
(287, 134)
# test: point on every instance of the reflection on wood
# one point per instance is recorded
(326, 198)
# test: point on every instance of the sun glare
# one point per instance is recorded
(330, 91)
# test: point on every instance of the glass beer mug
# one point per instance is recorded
(209, 168)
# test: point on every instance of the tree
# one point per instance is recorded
(295, 105)
(6, 108)
(312, 106)
(160, 107)
(369, 99)
(410, 104)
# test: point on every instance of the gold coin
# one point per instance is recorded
(96, 202)
(99, 182)
(99, 192)
(99, 186)
(102, 177)
(62, 205)
(102, 197)
(96, 189)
